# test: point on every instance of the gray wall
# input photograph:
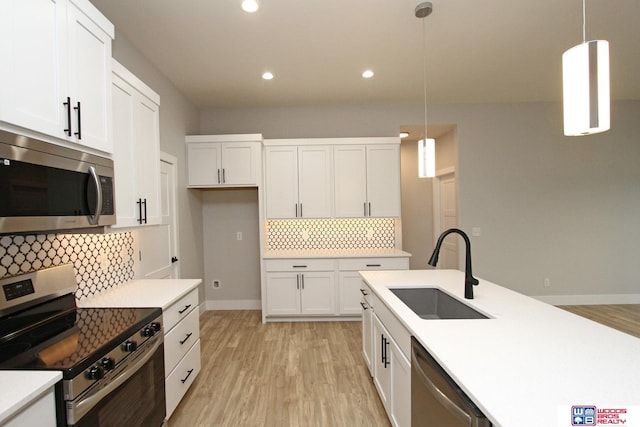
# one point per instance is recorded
(235, 263)
(549, 206)
(178, 117)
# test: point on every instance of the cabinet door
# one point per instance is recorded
(147, 143)
(240, 163)
(90, 81)
(381, 362)
(283, 294)
(33, 47)
(350, 182)
(400, 388)
(205, 166)
(367, 335)
(383, 180)
(124, 153)
(314, 181)
(281, 180)
(318, 295)
(350, 295)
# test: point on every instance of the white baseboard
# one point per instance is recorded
(239, 304)
(589, 299)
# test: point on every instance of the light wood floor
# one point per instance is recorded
(624, 317)
(302, 373)
(279, 374)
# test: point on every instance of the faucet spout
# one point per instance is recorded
(469, 280)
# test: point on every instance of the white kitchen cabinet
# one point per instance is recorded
(224, 160)
(367, 180)
(298, 181)
(56, 73)
(350, 281)
(367, 326)
(389, 354)
(136, 154)
(300, 287)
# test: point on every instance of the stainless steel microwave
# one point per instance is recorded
(45, 187)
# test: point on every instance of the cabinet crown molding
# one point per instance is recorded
(332, 141)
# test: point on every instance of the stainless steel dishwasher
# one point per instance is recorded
(436, 400)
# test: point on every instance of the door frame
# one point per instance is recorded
(437, 212)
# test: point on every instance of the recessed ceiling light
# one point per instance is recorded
(267, 75)
(250, 6)
(367, 74)
(404, 134)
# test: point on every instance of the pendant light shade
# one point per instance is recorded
(585, 74)
(427, 158)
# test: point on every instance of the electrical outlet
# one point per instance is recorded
(239, 235)
(546, 282)
(216, 284)
(104, 261)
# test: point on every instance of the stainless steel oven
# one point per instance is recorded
(436, 400)
(45, 187)
(111, 359)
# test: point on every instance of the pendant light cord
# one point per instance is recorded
(424, 73)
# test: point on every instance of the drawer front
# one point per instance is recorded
(180, 339)
(179, 381)
(300, 264)
(362, 264)
(179, 310)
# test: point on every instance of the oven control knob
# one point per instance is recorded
(147, 331)
(95, 373)
(108, 363)
(129, 346)
(156, 326)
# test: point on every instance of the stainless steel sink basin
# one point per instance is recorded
(432, 303)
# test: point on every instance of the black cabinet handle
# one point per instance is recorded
(369, 208)
(364, 307)
(139, 203)
(218, 176)
(189, 372)
(186, 307)
(365, 209)
(301, 210)
(79, 133)
(186, 338)
(302, 281)
(145, 211)
(174, 259)
(385, 356)
(299, 266)
(364, 292)
(373, 265)
(68, 105)
(224, 179)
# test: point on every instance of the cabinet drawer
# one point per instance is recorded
(180, 339)
(179, 310)
(300, 264)
(179, 381)
(360, 264)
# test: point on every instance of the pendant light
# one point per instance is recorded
(585, 79)
(426, 146)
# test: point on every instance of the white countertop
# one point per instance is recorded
(143, 293)
(336, 253)
(528, 363)
(19, 388)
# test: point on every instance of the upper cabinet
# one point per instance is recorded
(367, 179)
(298, 181)
(224, 160)
(56, 72)
(136, 153)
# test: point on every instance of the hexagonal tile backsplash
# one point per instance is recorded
(100, 261)
(357, 233)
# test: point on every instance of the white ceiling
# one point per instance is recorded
(477, 51)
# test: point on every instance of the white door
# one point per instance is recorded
(318, 295)
(281, 180)
(445, 204)
(239, 163)
(383, 180)
(314, 181)
(168, 208)
(204, 163)
(350, 182)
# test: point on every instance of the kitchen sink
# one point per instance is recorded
(432, 303)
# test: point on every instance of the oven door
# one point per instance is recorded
(135, 398)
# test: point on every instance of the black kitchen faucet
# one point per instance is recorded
(469, 280)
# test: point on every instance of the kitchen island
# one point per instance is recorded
(28, 397)
(529, 362)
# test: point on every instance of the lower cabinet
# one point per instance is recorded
(391, 367)
(181, 348)
(367, 325)
(300, 287)
(319, 286)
